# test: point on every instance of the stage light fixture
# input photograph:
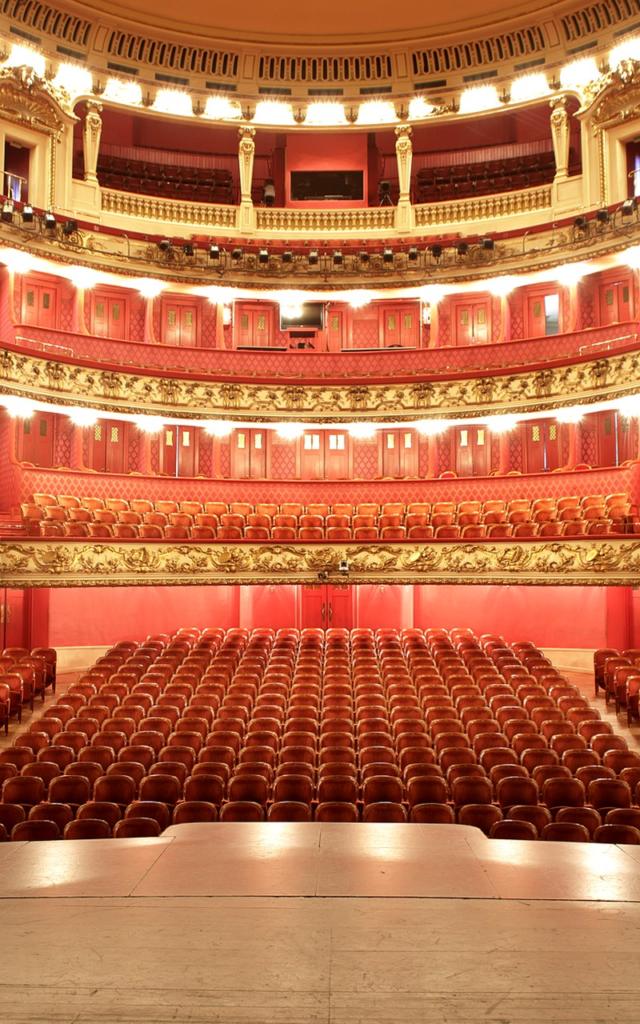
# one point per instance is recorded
(462, 248)
(287, 256)
(387, 255)
(188, 249)
(629, 207)
(214, 252)
(580, 223)
(236, 254)
(412, 255)
(313, 258)
(27, 214)
(488, 244)
(364, 257)
(263, 256)
(49, 221)
(7, 210)
(436, 251)
(337, 258)
(603, 216)
(69, 227)
(164, 245)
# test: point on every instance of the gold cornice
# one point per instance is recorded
(53, 563)
(114, 391)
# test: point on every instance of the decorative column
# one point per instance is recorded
(149, 329)
(432, 456)
(404, 219)
(92, 130)
(246, 154)
(560, 136)
(78, 319)
(504, 459)
(434, 325)
(144, 458)
(76, 460)
(573, 434)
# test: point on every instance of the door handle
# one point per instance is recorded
(330, 612)
(323, 612)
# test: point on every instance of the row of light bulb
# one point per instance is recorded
(19, 407)
(78, 81)
(568, 275)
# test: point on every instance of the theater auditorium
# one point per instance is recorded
(319, 512)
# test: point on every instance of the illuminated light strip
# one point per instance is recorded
(24, 407)
(567, 275)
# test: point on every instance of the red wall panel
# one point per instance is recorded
(338, 152)
(556, 617)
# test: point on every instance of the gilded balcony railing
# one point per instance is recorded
(175, 211)
(504, 204)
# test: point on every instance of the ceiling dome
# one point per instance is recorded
(331, 21)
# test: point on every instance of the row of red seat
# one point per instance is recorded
(337, 726)
(470, 520)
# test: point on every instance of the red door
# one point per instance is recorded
(472, 451)
(543, 314)
(324, 455)
(253, 325)
(541, 446)
(108, 447)
(472, 322)
(15, 618)
(607, 437)
(39, 305)
(399, 453)
(36, 439)
(325, 605)
(188, 438)
(179, 323)
(336, 455)
(627, 438)
(109, 316)
(400, 325)
(615, 302)
(249, 454)
(335, 330)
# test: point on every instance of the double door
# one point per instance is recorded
(179, 323)
(37, 439)
(324, 455)
(108, 318)
(39, 305)
(472, 322)
(179, 451)
(542, 446)
(325, 605)
(615, 303)
(109, 447)
(399, 456)
(249, 454)
(473, 451)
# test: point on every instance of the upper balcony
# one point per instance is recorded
(405, 171)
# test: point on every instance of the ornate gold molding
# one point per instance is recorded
(51, 563)
(114, 391)
(29, 100)
(615, 97)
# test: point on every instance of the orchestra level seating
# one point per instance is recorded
(427, 726)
